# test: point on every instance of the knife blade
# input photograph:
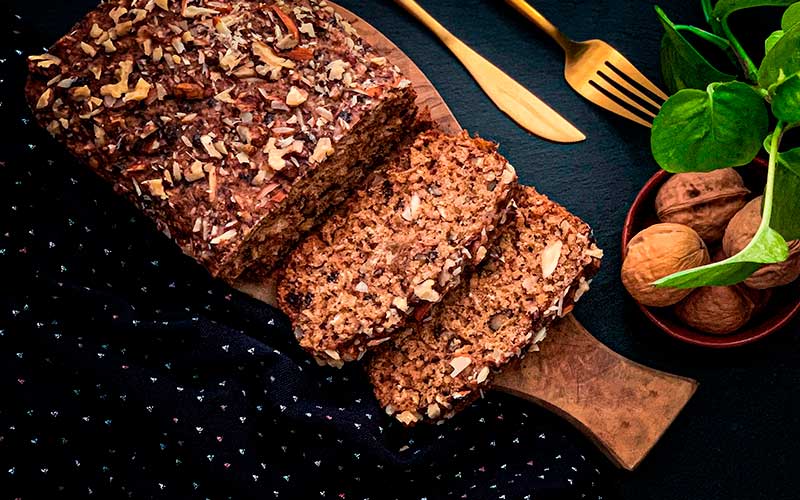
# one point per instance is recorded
(521, 105)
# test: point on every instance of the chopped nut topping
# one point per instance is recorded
(123, 29)
(189, 91)
(156, 187)
(116, 13)
(118, 89)
(109, 47)
(362, 287)
(550, 257)
(333, 355)
(434, 411)
(96, 31)
(336, 69)
(163, 4)
(509, 175)
(408, 417)
(323, 149)
(45, 60)
(81, 93)
(459, 364)
(296, 96)
(195, 172)
(378, 61)
(139, 93)
(88, 49)
(308, 29)
(426, 292)
(192, 11)
(400, 303)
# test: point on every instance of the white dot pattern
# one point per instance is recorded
(126, 372)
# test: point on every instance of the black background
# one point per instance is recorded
(738, 436)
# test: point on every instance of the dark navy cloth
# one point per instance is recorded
(127, 372)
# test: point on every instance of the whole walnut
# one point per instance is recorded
(717, 309)
(704, 201)
(740, 232)
(657, 252)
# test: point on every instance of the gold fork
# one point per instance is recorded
(598, 72)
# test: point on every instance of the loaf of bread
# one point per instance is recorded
(396, 246)
(232, 124)
(540, 266)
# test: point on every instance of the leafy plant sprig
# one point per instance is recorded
(714, 120)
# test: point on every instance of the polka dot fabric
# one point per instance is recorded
(126, 372)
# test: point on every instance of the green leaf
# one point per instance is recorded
(786, 99)
(786, 206)
(698, 131)
(766, 247)
(783, 59)
(772, 40)
(682, 66)
(724, 8)
(791, 16)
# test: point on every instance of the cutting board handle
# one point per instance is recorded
(622, 406)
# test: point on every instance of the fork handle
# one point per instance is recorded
(539, 20)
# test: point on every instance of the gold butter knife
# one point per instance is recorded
(512, 98)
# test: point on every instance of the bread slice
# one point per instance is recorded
(539, 267)
(233, 125)
(397, 246)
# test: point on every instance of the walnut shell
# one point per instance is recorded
(656, 252)
(704, 201)
(741, 230)
(717, 309)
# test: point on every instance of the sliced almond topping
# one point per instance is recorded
(459, 364)
(550, 257)
(426, 292)
(226, 236)
(482, 375)
(44, 99)
(208, 145)
(192, 11)
(333, 354)
(267, 56)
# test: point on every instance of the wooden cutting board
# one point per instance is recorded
(622, 406)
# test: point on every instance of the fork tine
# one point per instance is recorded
(604, 85)
(594, 95)
(612, 74)
(634, 74)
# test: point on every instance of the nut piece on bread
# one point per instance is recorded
(233, 125)
(437, 366)
(396, 246)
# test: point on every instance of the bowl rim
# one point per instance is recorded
(693, 336)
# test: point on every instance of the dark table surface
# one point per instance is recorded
(738, 437)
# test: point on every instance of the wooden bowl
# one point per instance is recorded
(782, 307)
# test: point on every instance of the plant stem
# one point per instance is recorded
(720, 42)
(770, 188)
(708, 10)
(749, 67)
